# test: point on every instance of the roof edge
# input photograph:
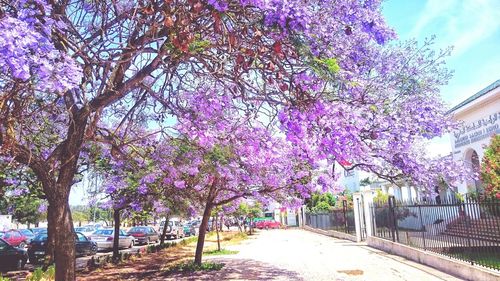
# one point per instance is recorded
(477, 95)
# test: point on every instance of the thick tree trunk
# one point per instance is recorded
(164, 231)
(51, 237)
(217, 231)
(64, 252)
(202, 232)
(116, 238)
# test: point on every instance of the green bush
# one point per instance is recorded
(38, 274)
(221, 252)
(191, 267)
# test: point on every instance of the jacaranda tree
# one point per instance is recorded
(327, 69)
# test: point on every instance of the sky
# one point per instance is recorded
(472, 27)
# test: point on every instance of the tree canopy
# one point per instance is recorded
(232, 98)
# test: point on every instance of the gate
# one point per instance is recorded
(360, 218)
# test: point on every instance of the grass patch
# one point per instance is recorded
(221, 252)
(190, 266)
(189, 240)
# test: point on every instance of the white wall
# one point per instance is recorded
(481, 119)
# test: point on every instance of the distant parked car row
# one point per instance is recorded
(17, 246)
(38, 247)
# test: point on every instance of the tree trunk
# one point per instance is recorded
(164, 231)
(64, 252)
(51, 237)
(239, 225)
(116, 234)
(217, 231)
(202, 232)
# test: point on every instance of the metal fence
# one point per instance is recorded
(468, 230)
(339, 220)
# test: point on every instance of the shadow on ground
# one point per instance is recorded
(238, 269)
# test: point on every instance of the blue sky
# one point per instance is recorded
(472, 27)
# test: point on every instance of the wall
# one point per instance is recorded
(481, 119)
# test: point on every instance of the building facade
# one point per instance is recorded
(480, 115)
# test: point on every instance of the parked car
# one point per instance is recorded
(12, 257)
(174, 229)
(97, 225)
(28, 233)
(38, 246)
(189, 229)
(86, 230)
(104, 239)
(15, 238)
(38, 230)
(144, 234)
(267, 224)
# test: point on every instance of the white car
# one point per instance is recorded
(86, 230)
(175, 229)
(104, 239)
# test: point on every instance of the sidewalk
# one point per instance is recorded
(302, 255)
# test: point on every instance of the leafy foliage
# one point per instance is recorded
(190, 266)
(321, 202)
(490, 168)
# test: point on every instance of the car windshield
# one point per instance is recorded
(104, 232)
(137, 229)
(80, 229)
(38, 230)
(41, 237)
(26, 232)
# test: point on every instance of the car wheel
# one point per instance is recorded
(22, 245)
(20, 264)
(131, 244)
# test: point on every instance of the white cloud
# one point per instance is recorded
(432, 10)
(461, 23)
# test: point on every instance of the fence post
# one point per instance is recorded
(422, 224)
(344, 211)
(464, 207)
(368, 201)
(356, 197)
(392, 217)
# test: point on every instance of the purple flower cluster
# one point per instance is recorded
(27, 53)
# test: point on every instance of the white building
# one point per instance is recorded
(480, 114)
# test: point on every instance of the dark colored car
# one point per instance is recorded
(38, 246)
(189, 229)
(14, 238)
(38, 230)
(144, 234)
(11, 257)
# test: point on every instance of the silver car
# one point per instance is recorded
(104, 239)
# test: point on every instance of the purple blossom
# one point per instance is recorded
(142, 189)
(180, 184)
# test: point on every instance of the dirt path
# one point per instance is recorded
(302, 255)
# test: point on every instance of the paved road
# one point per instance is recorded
(302, 255)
